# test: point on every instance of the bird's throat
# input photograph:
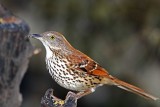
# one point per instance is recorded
(49, 52)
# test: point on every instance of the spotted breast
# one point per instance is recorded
(67, 76)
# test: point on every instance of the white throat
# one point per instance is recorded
(49, 53)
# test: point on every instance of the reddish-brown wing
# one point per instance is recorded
(84, 63)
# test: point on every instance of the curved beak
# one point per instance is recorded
(37, 36)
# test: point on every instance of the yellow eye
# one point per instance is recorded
(52, 37)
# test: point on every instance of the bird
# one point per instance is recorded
(74, 70)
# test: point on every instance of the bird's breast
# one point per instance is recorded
(70, 78)
(59, 70)
(49, 53)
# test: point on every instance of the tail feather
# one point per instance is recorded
(131, 88)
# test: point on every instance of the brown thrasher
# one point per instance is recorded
(76, 71)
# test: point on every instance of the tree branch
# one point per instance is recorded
(49, 100)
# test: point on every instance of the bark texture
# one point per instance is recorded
(15, 50)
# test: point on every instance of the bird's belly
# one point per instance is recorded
(71, 79)
(71, 82)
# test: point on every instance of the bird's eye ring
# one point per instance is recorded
(52, 37)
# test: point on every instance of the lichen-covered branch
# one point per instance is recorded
(49, 100)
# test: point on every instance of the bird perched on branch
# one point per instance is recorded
(76, 71)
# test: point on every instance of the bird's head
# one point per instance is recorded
(52, 40)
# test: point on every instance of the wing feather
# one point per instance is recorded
(87, 65)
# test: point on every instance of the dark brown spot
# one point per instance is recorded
(85, 79)
(63, 66)
(83, 69)
(58, 65)
(68, 71)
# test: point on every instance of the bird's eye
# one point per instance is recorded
(52, 37)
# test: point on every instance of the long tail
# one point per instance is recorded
(131, 88)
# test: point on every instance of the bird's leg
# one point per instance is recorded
(84, 93)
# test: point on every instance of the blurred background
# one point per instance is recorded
(123, 36)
